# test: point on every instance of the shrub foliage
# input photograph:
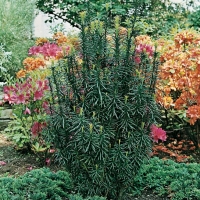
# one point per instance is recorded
(178, 84)
(165, 177)
(16, 21)
(40, 184)
(102, 109)
(37, 184)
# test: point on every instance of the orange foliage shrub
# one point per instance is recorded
(178, 84)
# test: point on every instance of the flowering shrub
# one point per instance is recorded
(178, 80)
(29, 95)
(47, 52)
(27, 92)
(29, 99)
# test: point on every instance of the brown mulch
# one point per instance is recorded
(19, 162)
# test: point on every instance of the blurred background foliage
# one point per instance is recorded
(16, 20)
(155, 17)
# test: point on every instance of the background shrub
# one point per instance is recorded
(16, 25)
(178, 85)
(4, 58)
(194, 19)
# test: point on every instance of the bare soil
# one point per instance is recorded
(19, 162)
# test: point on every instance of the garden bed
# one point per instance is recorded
(18, 163)
(179, 149)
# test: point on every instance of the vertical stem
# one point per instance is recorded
(52, 96)
(57, 90)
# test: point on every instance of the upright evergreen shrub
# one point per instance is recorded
(102, 109)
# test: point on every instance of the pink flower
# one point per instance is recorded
(34, 50)
(6, 89)
(27, 111)
(30, 168)
(28, 91)
(37, 110)
(45, 106)
(7, 97)
(20, 99)
(47, 50)
(50, 50)
(139, 48)
(47, 161)
(37, 128)
(157, 133)
(148, 49)
(38, 95)
(52, 150)
(40, 84)
(26, 85)
(137, 60)
(2, 163)
(46, 85)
